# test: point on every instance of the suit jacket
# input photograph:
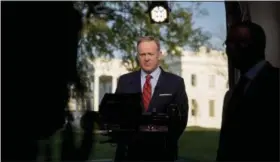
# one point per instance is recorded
(250, 128)
(168, 83)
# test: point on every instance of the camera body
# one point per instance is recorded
(121, 117)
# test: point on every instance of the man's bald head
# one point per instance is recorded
(249, 31)
(245, 44)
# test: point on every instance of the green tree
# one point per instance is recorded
(123, 22)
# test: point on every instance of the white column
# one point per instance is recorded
(114, 84)
(203, 110)
(96, 92)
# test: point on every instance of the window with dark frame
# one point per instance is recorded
(194, 108)
(193, 80)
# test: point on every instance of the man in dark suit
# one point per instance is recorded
(250, 126)
(159, 89)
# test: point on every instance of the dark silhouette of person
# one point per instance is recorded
(159, 89)
(250, 124)
(39, 50)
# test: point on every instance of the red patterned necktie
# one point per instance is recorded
(147, 92)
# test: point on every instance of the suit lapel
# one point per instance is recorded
(251, 83)
(156, 91)
(248, 91)
(255, 82)
(136, 82)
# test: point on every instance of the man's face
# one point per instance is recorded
(239, 47)
(148, 55)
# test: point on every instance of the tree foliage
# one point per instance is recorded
(117, 29)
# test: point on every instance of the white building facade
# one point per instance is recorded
(204, 73)
(205, 76)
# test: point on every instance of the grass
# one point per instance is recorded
(199, 144)
(196, 144)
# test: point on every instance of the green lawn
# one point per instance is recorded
(199, 144)
(196, 144)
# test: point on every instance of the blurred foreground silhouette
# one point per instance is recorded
(40, 53)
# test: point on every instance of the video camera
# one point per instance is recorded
(121, 117)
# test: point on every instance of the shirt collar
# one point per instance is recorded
(154, 74)
(252, 73)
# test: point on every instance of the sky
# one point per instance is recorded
(214, 22)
